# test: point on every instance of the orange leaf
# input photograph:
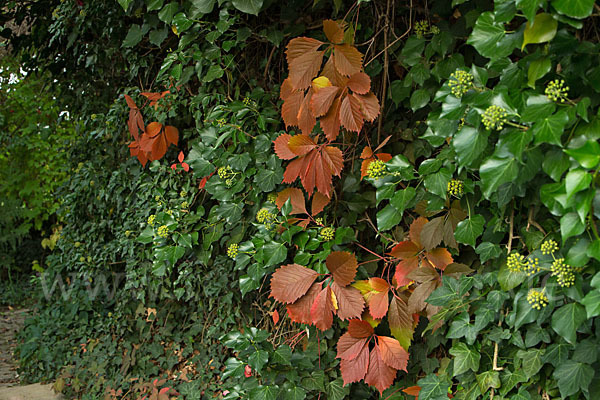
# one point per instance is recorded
(412, 390)
(153, 129)
(172, 134)
(347, 59)
(379, 375)
(306, 120)
(304, 68)
(440, 258)
(334, 158)
(366, 153)
(180, 156)
(378, 298)
(322, 99)
(291, 108)
(351, 117)
(281, 147)
(301, 144)
(300, 310)
(364, 167)
(297, 197)
(350, 301)
(415, 230)
(359, 329)
(385, 157)
(404, 250)
(130, 102)
(343, 266)
(348, 346)
(360, 83)
(404, 268)
(334, 76)
(369, 105)
(275, 317)
(293, 170)
(355, 370)
(321, 312)
(333, 31)
(330, 123)
(392, 353)
(159, 147)
(319, 201)
(290, 282)
(299, 46)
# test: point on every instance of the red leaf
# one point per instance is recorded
(291, 108)
(290, 282)
(404, 268)
(333, 31)
(186, 167)
(173, 166)
(281, 147)
(369, 105)
(322, 99)
(334, 159)
(413, 391)
(359, 329)
(275, 317)
(343, 266)
(299, 46)
(364, 167)
(348, 346)
(159, 147)
(360, 83)
(440, 258)
(153, 129)
(404, 250)
(392, 353)
(351, 117)
(366, 153)
(306, 120)
(385, 157)
(301, 145)
(130, 102)
(355, 370)
(181, 156)
(415, 230)
(321, 312)
(172, 134)
(330, 123)
(400, 322)
(300, 310)
(378, 298)
(349, 300)
(247, 371)
(379, 375)
(293, 170)
(304, 68)
(347, 59)
(319, 201)
(297, 197)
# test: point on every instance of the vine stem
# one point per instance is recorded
(510, 231)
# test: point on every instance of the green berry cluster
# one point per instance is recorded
(494, 117)
(327, 233)
(376, 169)
(456, 188)
(460, 82)
(549, 247)
(185, 205)
(537, 299)
(319, 221)
(226, 174)
(557, 91)
(232, 251)
(248, 102)
(532, 267)
(264, 216)
(163, 231)
(563, 272)
(183, 193)
(221, 122)
(516, 262)
(151, 220)
(423, 28)
(272, 197)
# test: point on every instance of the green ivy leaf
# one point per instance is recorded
(489, 38)
(572, 377)
(157, 36)
(567, 319)
(388, 217)
(168, 12)
(574, 8)
(264, 392)
(556, 353)
(258, 359)
(438, 183)
(550, 129)
(336, 391)
(541, 30)
(214, 72)
(523, 394)
(419, 99)
(488, 379)
(591, 301)
(488, 251)
(283, 355)
(248, 6)
(531, 361)
(295, 393)
(496, 171)
(571, 225)
(555, 164)
(203, 6)
(588, 155)
(468, 230)
(134, 36)
(465, 358)
(469, 143)
(511, 379)
(538, 69)
(125, 4)
(267, 179)
(433, 388)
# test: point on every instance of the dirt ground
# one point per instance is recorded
(10, 322)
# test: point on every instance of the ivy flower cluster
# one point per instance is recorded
(549, 247)
(327, 233)
(264, 216)
(518, 263)
(163, 231)
(272, 197)
(494, 118)
(226, 174)
(376, 169)
(151, 220)
(456, 188)
(557, 91)
(537, 299)
(423, 28)
(564, 273)
(460, 82)
(233, 250)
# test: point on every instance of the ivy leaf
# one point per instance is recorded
(336, 391)
(567, 319)
(489, 38)
(469, 144)
(550, 129)
(267, 179)
(574, 8)
(572, 377)
(468, 230)
(134, 36)
(343, 266)
(438, 183)
(571, 225)
(168, 12)
(496, 171)
(587, 155)
(296, 393)
(541, 30)
(511, 379)
(419, 99)
(591, 301)
(248, 6)
(290, 282)
(258, 359)
(125, 4)
(488, 251)
(538, 69)
(488, 379)
(433, 388)
(465, 358)
(283, 355)
(531, 361)
(264, 393)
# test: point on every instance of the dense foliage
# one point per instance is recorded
(446, 210)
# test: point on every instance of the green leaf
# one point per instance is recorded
(468, 230)
(550, 129)
(438, 183)
(574, 8)
(433, 388)
(571, 225)
(496, 171)
(556, 353)
(203, 6)
(469, 143)
(168, 12)
(182, 22)
(555, 164)
(567, 319)
(267, 179)
(282, 355)
(125, 4)
(258, 359)
(576, 181)
(419, 99)
(248, 6)
(403, 198)
(511, 379)
(295, 393)
(264, 393)
(214, 72)
(247, 284)
(274, 253)
(134, 36)
(488, 251)
(538, 69)
(591, 301)
(488, 379)
(157, 36)
(388, 217)
(489, 38)
(587, 155)
(572, 377)
(465, 358)
(541, 30)
(336, 391)
(153, 5)
(523, 394)
(531, 361)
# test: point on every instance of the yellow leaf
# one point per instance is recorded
(320, 82)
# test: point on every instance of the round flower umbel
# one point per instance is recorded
(264, 216)
(421, 28)
(537, 299)
(151, 220)
(532, 267)
(327, 233)
(460, 82)
(376, 169)
(563, 272)
(226, 174)
(494, 118)
(272, 197)
(232, 251)
(557, 91)
(516, 262)
(163, 231)
(456, 188)
(549, 247)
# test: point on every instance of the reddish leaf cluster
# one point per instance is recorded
(297, 200)
(315, 303)
(368, 156)
(184, 165)
(377, 366)
(155, 138)
(339, 97)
